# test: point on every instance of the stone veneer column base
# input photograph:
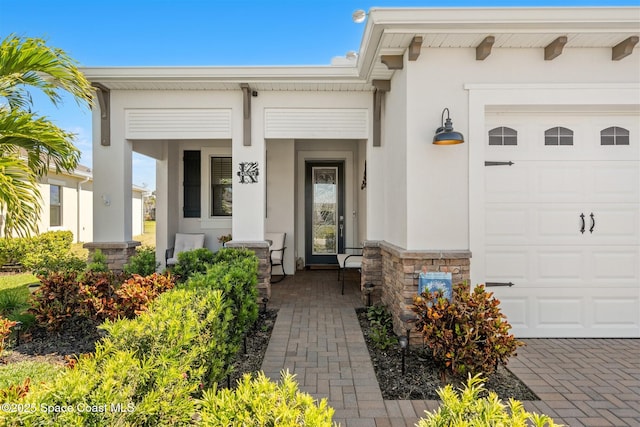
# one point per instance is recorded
(117, 253)
(261, 248)
(394, 272)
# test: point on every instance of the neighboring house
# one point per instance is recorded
(67, 204)
(544, 191)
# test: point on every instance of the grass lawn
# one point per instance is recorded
(14, 296)
(149, 236)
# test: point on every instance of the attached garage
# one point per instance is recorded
(561, 213)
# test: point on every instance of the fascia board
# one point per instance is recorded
(221, 74)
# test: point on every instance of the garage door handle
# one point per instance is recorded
(582, 218)
(593, 222)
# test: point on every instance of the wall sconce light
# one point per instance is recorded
(445, 135)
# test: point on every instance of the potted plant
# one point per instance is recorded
(224, 239)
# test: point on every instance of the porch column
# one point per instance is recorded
(112, 194)
(249, 185)
(167, 201)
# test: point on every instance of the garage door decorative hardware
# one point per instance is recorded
(498, 163)
(593, 223)
(493, 284)
(582, 219)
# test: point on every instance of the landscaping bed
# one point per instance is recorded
(80, 336)
(421, 379)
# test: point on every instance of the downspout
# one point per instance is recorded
(78, 225)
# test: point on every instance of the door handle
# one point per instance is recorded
(593, 222)
(583, 225)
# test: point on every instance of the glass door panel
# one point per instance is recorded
(325, 210)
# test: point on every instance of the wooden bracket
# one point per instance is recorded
(104, 101)
(554, 49)
(414, 48)
(393, 62)
(246, 114)
(624, 48)
(484, 48)
(381, 86)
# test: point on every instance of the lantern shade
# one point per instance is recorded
(445, 135)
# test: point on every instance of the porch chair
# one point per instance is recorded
(276, 251)
(351, 259)
(183, 243)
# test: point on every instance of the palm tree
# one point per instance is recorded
(30, 145)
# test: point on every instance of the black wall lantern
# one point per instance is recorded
(445, 135)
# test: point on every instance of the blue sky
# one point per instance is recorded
(200, 32)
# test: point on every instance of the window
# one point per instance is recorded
(558, 136)
(55, 205)
(191, 184)
(614, 136)
(503, 136)
(221, 186)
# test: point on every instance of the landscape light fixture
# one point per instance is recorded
(359, 16)
(404, 342)
(445, 135)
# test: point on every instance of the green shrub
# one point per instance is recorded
(468, 335)
(13, 250)
(98, 262)
(236, 274)
(191, 262)
(260, 402)
(143, 262)
(472, 406)
(50, 251)
(381, 327)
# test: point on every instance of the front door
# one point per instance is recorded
(324, 212)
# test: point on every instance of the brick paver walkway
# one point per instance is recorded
(581, 382)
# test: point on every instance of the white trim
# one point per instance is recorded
(350, 202)
(207, 221)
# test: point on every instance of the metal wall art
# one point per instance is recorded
(248, 172)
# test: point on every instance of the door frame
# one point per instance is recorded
(350, 196)
(310, 258)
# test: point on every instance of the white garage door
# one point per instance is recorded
(562, 223)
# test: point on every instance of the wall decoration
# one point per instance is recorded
(248, 172)
(429, 282)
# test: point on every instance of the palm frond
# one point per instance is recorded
(19, 197)
(30, 62)
(45, 144)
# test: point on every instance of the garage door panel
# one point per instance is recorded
(556, 312)
(507, 184)
(507, 224)
(511, 264)
(615, 182)
(625, 309)
(555, 182)
(559, 268)
(614, 224)
(616, 266)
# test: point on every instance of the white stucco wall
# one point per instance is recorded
(280, 213)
